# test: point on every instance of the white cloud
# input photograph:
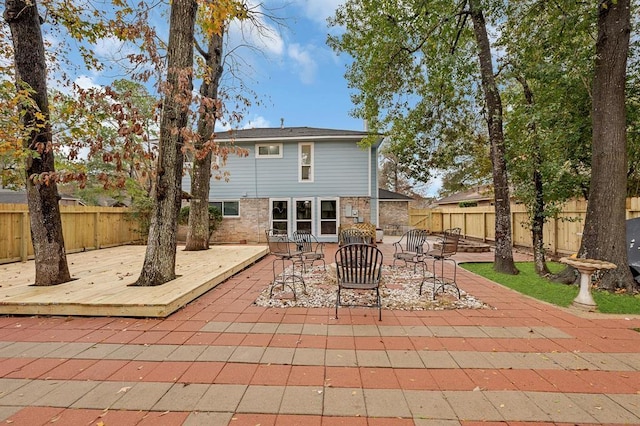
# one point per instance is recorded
(85, 82)
(108, 46)
(434, 185)
(257, 123)
(318, 10)
(305, 65)
(257, 33)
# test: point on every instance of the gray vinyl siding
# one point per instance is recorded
(340, 169)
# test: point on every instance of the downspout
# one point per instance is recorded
(255, 187)
(369, 172)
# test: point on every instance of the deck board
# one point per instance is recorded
(103, 278)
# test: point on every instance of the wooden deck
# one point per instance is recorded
(102, 279)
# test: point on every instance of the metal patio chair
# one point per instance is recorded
(285, 250)
(359, 267)
(411, 248)
(444, 248)
(312, 250)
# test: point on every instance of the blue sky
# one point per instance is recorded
(298, 77)
(295, 75)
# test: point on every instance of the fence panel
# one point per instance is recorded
(83, 228)
(520, 228)
(562, 235)
(421, 218)
(11, 233)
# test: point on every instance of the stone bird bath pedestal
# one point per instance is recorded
(586, 267)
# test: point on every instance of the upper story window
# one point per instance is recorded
(305, 155)
(269, 150)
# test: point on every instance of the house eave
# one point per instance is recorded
(297, 138)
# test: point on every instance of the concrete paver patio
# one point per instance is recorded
(222, 361)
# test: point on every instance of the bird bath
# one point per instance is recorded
(586, 267)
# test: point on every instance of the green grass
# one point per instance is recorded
(529, 283)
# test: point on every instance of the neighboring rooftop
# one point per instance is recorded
(9, 196)
(384, 194)
(479, 193)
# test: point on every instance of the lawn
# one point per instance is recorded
(529, 283)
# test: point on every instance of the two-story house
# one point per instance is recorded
(295, 178)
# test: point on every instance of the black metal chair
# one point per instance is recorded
(312, 250)
(444, 248)
(285, 250)
(411, 248)
(359, 267)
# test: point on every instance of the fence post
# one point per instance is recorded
(464, 224)
(484, 227)
(96, 230)
(513, 231)
(555, 234)
(24, 243)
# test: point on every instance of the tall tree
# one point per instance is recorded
(393, 174)
(214, 19)
(199, 232)
(503, 259)
(418, 68)
(604, 231)
(543, 69)
(536, 207)
(160, 257)
(42, 192)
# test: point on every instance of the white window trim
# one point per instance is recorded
(288, 200)
(312, 167)
(238, 216)
(313, 213)
(319, 217)
(280, 149)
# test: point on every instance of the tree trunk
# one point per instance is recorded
(160, 259)
(537, 209)
(198, 233)
(503, 260)
(604, 235)
(537, 225)
(42, 194)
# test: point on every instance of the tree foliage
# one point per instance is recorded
(423, 73)
(107, 134)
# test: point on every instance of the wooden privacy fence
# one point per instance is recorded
(83, 227)
(561, 234)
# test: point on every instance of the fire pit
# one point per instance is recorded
(586, 267)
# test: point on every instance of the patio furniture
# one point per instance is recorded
(444, 248)
(285, 250)
(359, 267)
(354, 236)
(411, 249)
(312, 250)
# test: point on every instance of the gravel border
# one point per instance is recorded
(399, 291)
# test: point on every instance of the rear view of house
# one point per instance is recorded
(294, 179)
